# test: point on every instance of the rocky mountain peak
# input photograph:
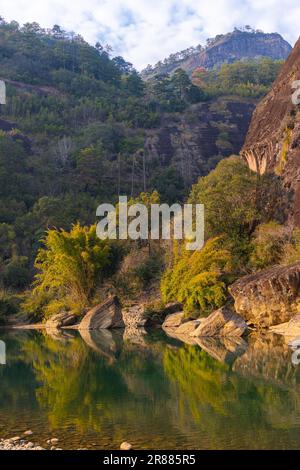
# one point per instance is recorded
(241, 44)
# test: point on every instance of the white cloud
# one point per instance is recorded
(145, 31)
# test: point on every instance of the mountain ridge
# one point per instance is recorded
(224, 48)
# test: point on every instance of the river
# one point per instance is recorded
(153, 391)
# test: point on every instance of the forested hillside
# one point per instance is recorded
(81, 127)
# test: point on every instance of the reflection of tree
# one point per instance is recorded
(158, 396)
(74, 383)
(80, 387)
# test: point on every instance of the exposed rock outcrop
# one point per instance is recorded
(290, 329)
(106, 315)
(193, 141)
(222, 322)
(133, 316)
(189, 327)
(273, 141)
(269, 297)
(61, 320)
(173, 320)
(224, 48)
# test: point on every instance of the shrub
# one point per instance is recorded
(196, 279)
(291, 252)
(149, 271)
(268, 245)
(236, 200)
(8, 305)
(16, 273)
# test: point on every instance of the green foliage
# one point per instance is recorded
(236, 200)
(196, 279)
(174, 93)
(251, 79)
(150, 270)
(169, 184)
(70, 268)
(16, 273)
(229, 196)
(291, 251)
(8, 305)
(73, 133)
(268, 245)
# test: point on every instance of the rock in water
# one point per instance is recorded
(105, 315)
(269, 297)
(60, 320)
(290, 328)
(188, 327)
(125, 446)
(222, 322)
(173, 320)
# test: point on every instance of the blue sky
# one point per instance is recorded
(145, 31)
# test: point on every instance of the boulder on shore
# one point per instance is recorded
(103, 316)
(269, 297)
(222, 322)
(133, 316)
(290, 328)
(173, 320)
(61, 320)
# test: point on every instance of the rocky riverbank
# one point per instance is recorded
(17, 443)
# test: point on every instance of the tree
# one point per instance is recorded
(194, 278)
(70, 266)
(236, 201)
(268, 244)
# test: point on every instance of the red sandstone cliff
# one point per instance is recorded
(273, 140)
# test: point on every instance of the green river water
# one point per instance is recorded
(100, 389)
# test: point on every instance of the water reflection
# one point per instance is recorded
(104, 387)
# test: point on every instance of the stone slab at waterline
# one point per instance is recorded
(222, 322)
(269, 297)
(61, 320)
(173, 320)
(290, 329)
(103, 316)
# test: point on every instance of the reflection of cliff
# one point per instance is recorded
(251, 396)
(268, 357)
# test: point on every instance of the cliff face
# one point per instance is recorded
(228, 48)
(240, 46)
(195, 140)
(273, 140)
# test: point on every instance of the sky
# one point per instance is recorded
(146, 31)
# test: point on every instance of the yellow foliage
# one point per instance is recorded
(70, 266)
(194, 279)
